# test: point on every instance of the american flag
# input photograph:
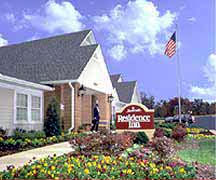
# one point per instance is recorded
(171, 46)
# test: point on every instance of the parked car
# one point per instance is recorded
(185, 118)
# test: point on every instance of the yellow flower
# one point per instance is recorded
(49, 172)
(132, 158)
(38, 166)
(89, 164)
(114, 162)
(129, 171)
(96, 157)
(124, 171)
(45, 164)
(126, 163)
(105, 167)
(152, 165)
(86, 171)
(53, 168)
(168, 168)
(182, 170)
(34, 171)
(94, 163)
(99, 166)
(52, 175)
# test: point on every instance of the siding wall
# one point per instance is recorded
(6, 108)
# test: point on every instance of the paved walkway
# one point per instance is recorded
(213, 131)
(19, 159)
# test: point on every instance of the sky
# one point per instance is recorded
(133, 35)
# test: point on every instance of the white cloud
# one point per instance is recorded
(117, 52)
(10, 17)
(3, 41)
(192, 19)
(208, 93)
(56, 17)
(138, 26)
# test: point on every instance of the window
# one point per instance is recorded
(35, 108)
(28, 107)
(22, 107)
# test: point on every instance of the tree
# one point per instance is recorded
(52, 121)
(149, 102)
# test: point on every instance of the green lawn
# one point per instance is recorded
(204, 153)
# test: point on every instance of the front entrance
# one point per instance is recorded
(94, 99)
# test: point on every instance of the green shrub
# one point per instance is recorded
(3, 132)
(52, 121)
(167, 125)
(141, 138)
(23, 134)
(167, 132)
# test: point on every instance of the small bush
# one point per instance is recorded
(141, 138)
(99, 143)
(23, 134)
(179, 133)
(167, 125)
(84, 127)
(52, 121)
(167, 132)
(163, 146)
(3, 132)
(159, 132)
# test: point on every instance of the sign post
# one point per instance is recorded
(135, 117)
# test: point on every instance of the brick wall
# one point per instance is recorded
(62, 94)
(86, 109)
(83, 105)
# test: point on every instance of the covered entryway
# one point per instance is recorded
(88, 101)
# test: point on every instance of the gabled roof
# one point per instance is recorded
(114, 78)
(125, 90)
(55, 58)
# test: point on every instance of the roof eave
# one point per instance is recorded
(25, 83)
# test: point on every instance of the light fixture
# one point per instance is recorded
(81, 90)
(110, 98)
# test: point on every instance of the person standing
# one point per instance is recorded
(96, 118)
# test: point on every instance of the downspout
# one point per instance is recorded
(72, 107)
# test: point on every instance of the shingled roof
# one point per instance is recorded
(125, 90)
(114, 78)
(55, 58)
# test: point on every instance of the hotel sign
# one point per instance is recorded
(135, 116)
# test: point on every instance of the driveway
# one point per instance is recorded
(208, 122)
(19, 159)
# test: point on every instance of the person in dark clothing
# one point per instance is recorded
(96, 118)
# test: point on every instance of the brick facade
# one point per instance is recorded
(83, 111)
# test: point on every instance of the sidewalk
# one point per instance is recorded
(19, 159)
(213, 131)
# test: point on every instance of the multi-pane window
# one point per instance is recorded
(35, 108)
(22, 107)
(28, 108)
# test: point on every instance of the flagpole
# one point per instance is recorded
(178, 72)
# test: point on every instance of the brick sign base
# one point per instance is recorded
(135, 117)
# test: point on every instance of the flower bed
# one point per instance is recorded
(12, 145)
(98, 167)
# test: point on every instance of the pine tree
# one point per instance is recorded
(52, 121)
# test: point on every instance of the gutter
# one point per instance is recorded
(72, 107)
(25, 83)
(59, 81)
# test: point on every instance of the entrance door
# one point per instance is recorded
(94, 99)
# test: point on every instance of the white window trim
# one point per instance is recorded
(29, 95)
